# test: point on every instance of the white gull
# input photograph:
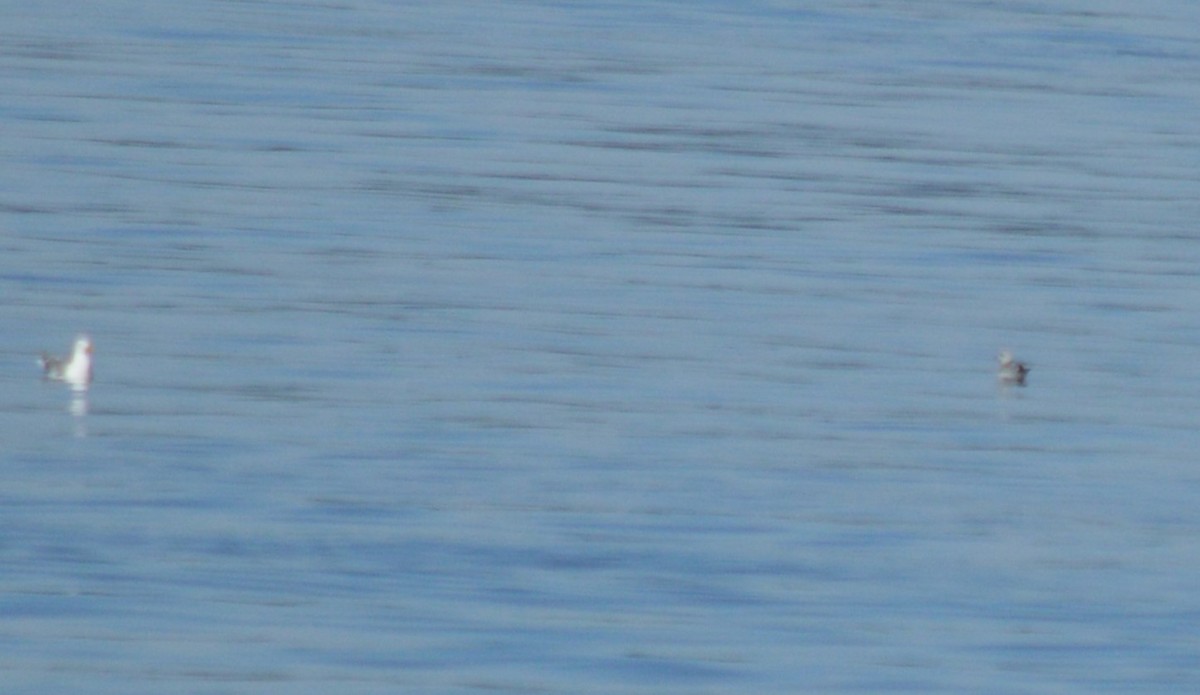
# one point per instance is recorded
(75, 370)
(1011, 371)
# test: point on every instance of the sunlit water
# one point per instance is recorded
(601, 347)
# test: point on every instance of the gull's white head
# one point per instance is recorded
(83, 346)
(1006, 358)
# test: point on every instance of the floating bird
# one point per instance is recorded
(1011, 371)
(75, 370)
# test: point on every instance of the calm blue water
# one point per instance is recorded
(601, 347)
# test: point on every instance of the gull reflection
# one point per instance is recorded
(79, 408)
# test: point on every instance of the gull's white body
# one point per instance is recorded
(1012, 372)
(75, 370)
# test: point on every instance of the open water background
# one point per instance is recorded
(601, 347)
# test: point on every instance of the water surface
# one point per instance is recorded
(601, 348)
